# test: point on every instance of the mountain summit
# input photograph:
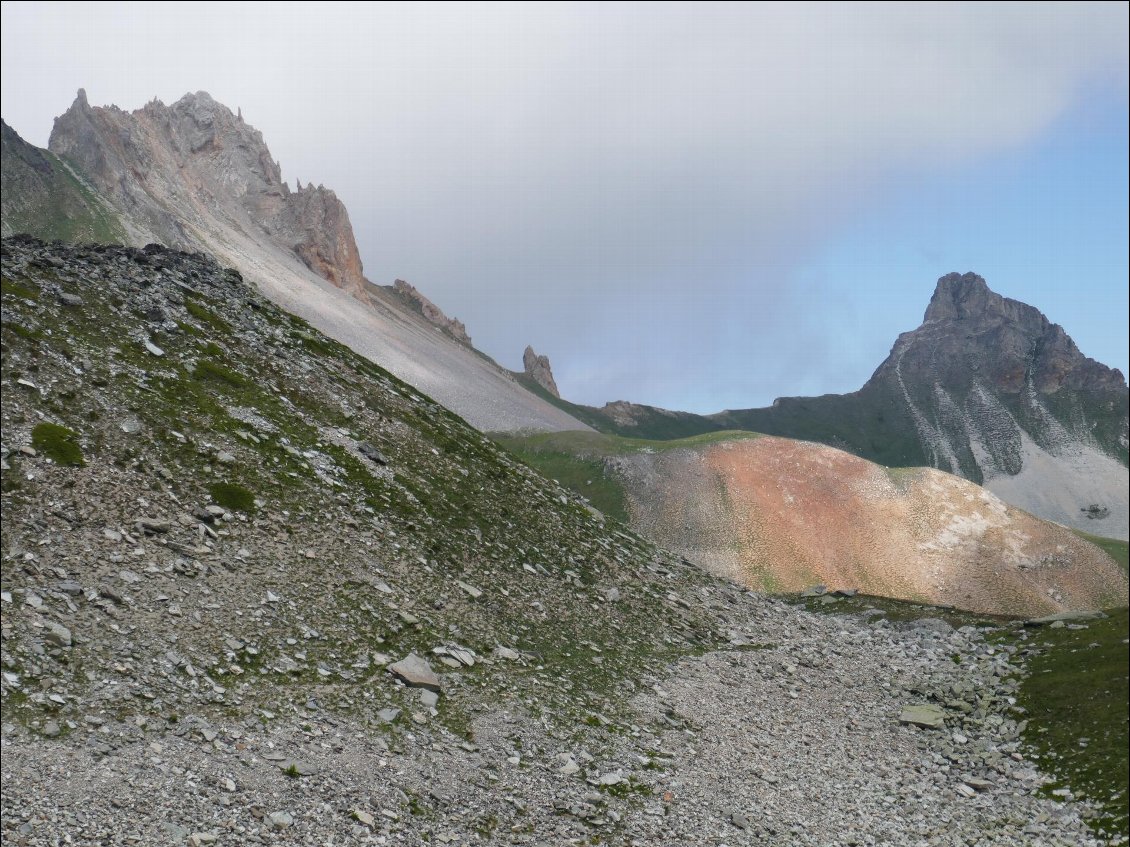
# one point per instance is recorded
(174, 167)
(972, 330)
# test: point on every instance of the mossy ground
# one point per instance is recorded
(58, 443)
(231, 495)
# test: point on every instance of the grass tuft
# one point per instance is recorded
(232, 496)
(58, 444)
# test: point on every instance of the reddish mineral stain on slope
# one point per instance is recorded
(780, 514)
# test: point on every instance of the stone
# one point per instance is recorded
(154, 526)
(153, 348)
(372, 453)
(569, 765)
(1065, 617)
(927, 716)
(69, 300)
(57, 634)
(280, 820)
(364, 817)
(611, 778)
(474, 592)
(978, 784)
(932, 625)
(415, 672)
(295, 767)
(130, 426)
(814, 591)
(176, 833)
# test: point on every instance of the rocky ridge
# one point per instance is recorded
(432, 313)
(238, 561)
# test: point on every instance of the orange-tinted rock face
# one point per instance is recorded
(324, 237)
(780, 514)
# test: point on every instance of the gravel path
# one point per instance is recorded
(792, 737)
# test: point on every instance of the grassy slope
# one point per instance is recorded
(44, 198)
(876, 426)
(577, 460)
(1075, 696)
(654, 424)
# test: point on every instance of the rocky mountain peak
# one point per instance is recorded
(959, 296)
(970, 332)
(538, 369)
(194, 170)
(967, 297)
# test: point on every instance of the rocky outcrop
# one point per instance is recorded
(317, 225)
(187, 170)
(431, 312)
(537, 368)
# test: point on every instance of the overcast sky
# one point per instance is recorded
(694, 206)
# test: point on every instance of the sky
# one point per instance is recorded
(694, 206)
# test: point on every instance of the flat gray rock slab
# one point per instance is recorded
(926, 716)
(1066, 617)
(415, 672)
